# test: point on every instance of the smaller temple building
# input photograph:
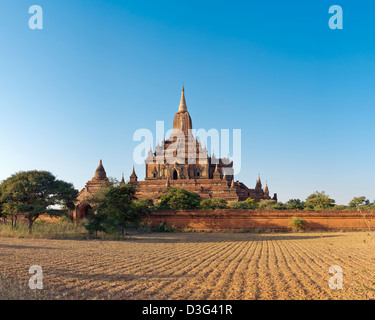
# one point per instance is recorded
(93, 186)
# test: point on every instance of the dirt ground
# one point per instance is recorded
(192, 266)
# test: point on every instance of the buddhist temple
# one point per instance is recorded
(191, 167)
(180, 162)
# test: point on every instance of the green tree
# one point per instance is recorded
(144, 206)
(265, 204)
(2, 212)
(211, 204)
(295, 204)
(115, 209)
(33, 193)
(179, 199)
(358, 202)
(249, 203)
(95, 223)
(279, 206)
(319, 201)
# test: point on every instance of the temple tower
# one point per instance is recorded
(182, 120)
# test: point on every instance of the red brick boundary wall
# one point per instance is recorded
(242, 220)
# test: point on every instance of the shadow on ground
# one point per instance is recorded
(223, 237)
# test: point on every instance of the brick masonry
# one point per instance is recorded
(241, 220)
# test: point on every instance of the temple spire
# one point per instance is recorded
(259, 183)
(182, 120)
(216, 174)
(100, 172)
(122, 180)
(266, 191)
(133, 176)
(182, 107)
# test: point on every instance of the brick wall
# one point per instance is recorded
(206, 220)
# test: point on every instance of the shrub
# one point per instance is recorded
(297, 224)
(295, 204)
(164, 227)
(266, 204)
(340, 207)
(211, 204)
(249, 203)
(279, 206)
(144, 206)
(144, 227)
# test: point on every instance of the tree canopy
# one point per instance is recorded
(319, 201)
(179, 199)
(357, 202)
(265, 204)
(33, 193)
(215, 203)
(249, 203)
(295, 204)
(2, 213)
(113, 209)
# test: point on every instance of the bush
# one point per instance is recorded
(266, 204)
(279, 206)
(249, 203)
(187, 229)
(295, 204)
(144, 206)
(144, 227)
(164, 227)
(340, 207)
(297, 224)
(211, 204)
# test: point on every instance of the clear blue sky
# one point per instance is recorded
(303, 95)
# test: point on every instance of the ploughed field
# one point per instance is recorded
(192, 266)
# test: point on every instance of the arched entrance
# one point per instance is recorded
(174, 175)
(81, 211)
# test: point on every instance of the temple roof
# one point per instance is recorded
(100, 172)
